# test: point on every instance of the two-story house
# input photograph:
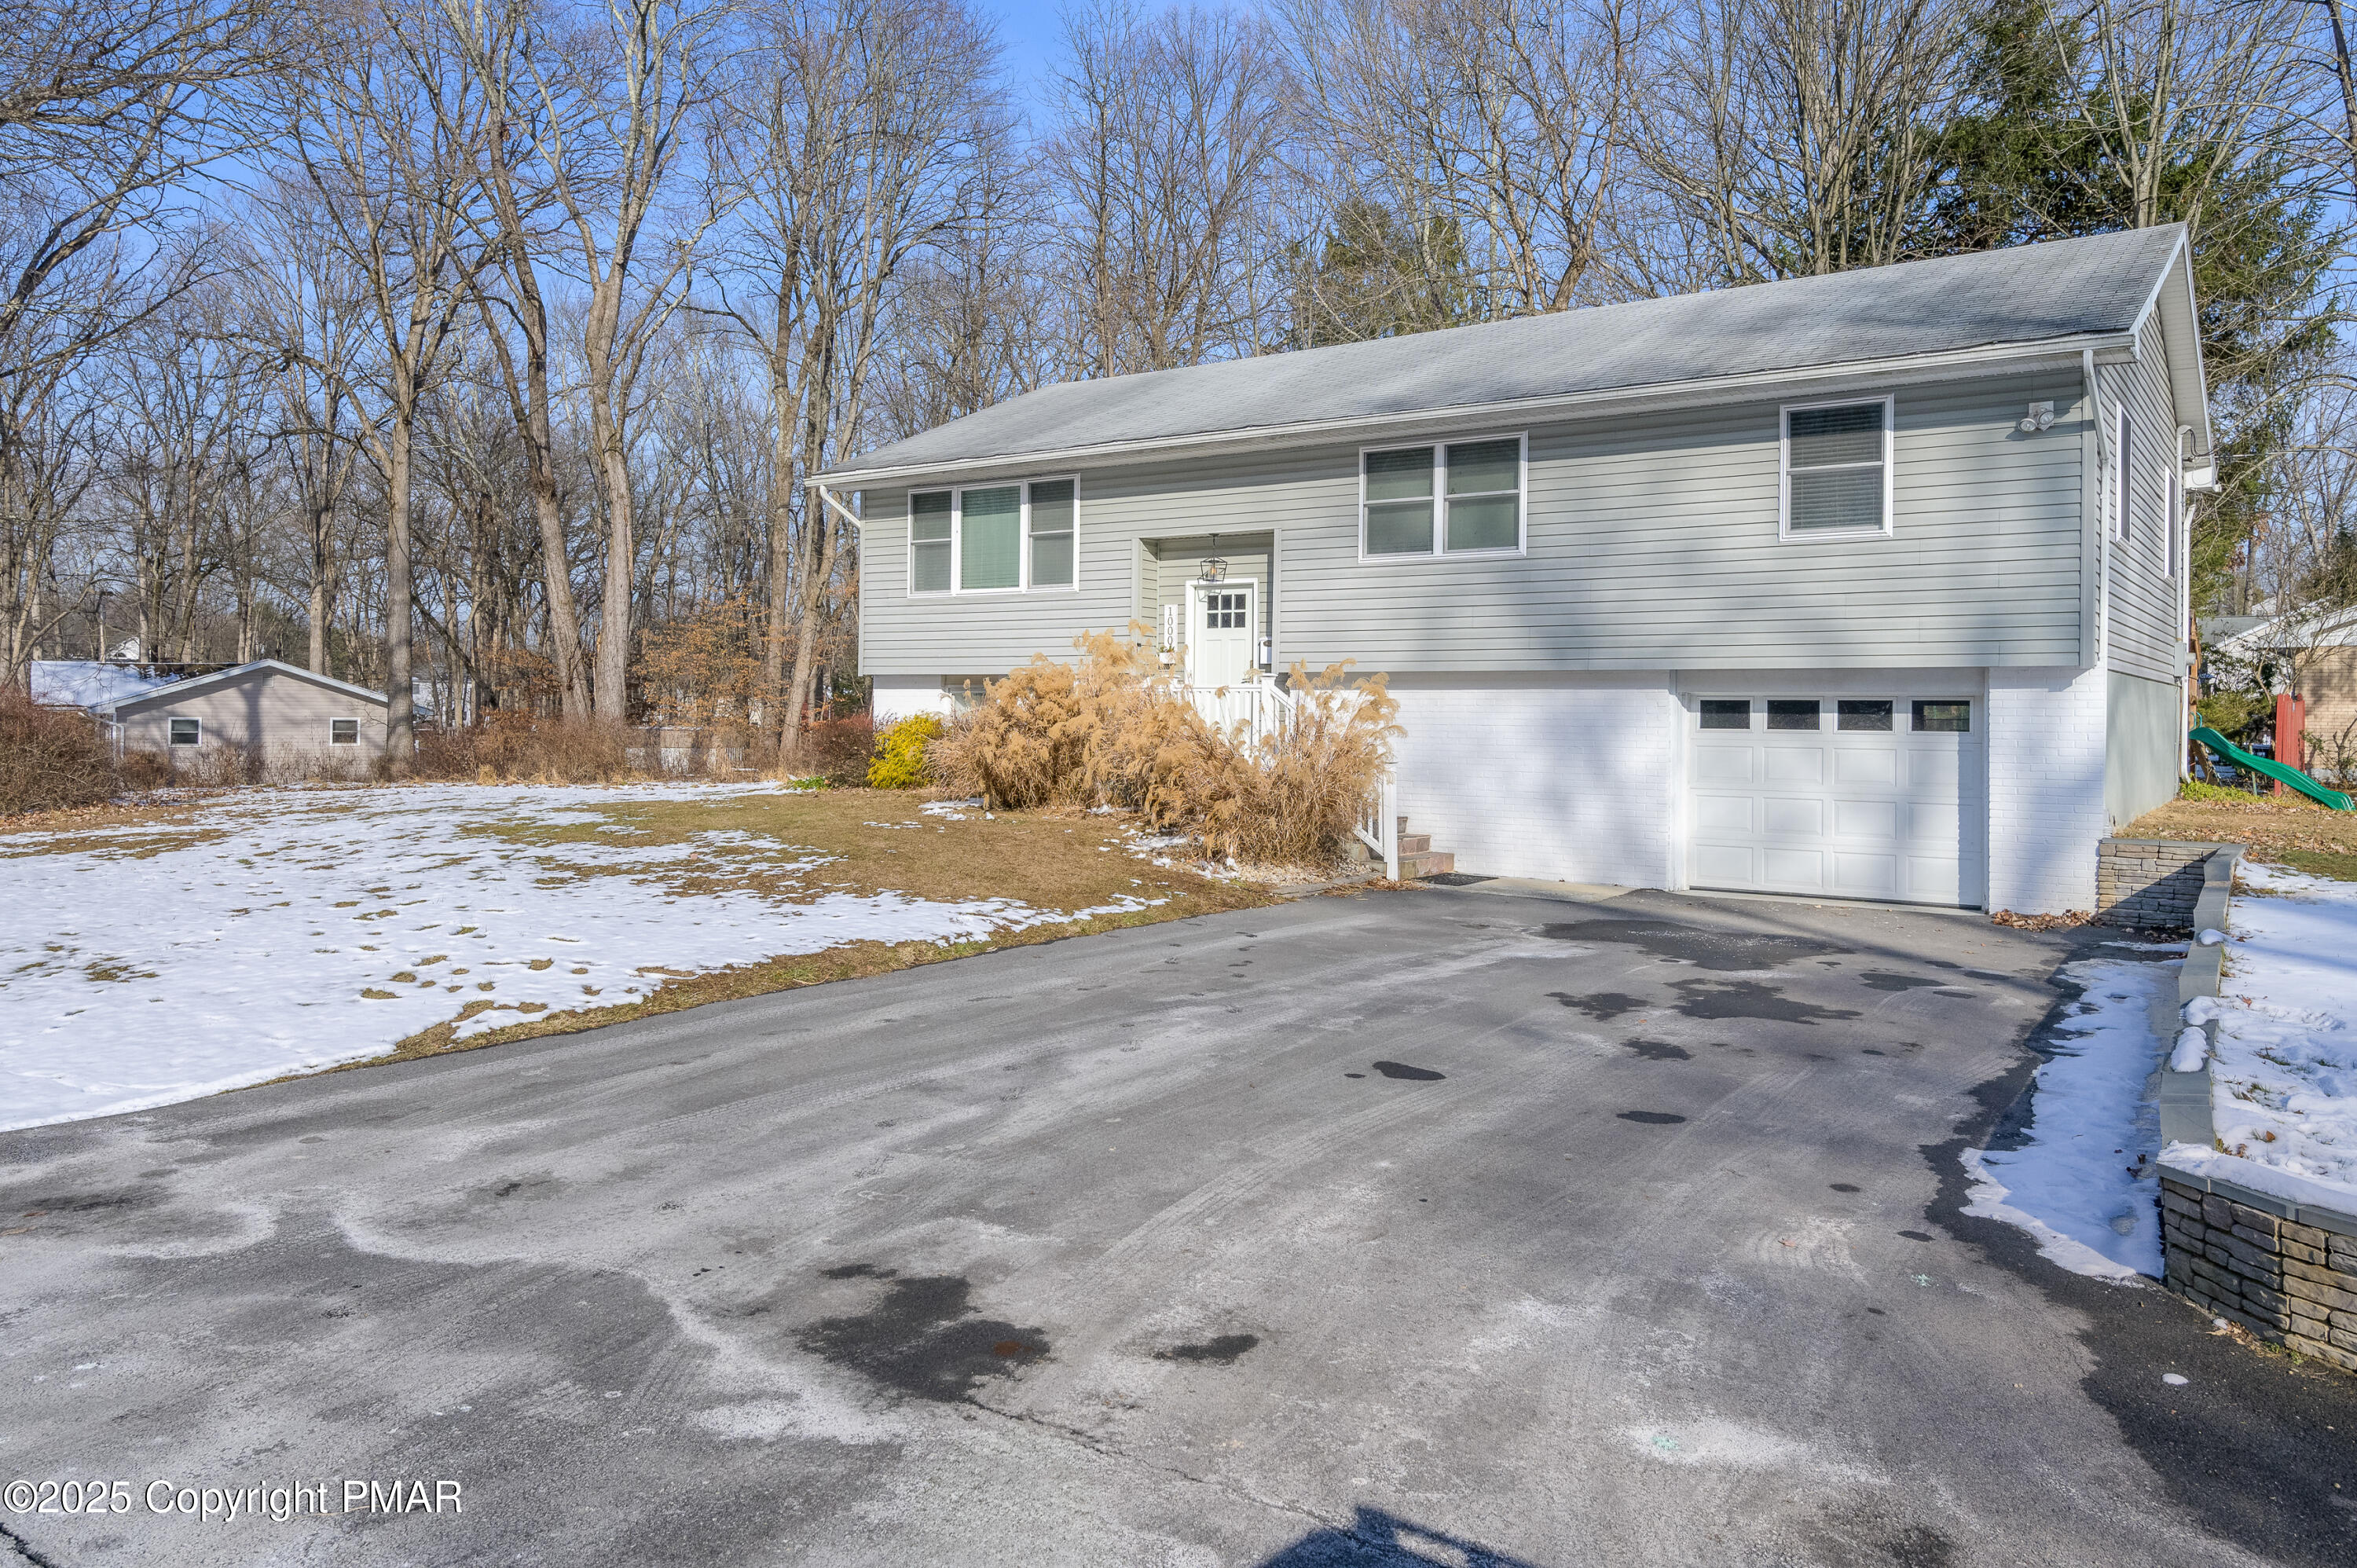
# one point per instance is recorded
(1868, 586)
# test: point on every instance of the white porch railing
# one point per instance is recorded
(1378, 826)
(1256, 708)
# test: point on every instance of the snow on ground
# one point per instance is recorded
(131, 978)
(2083, 1181)
(2283, 1081)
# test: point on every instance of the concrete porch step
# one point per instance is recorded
(1424, 862)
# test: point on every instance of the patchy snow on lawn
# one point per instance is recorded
(2082, 1180)
(299, 929)
(2283, 1079)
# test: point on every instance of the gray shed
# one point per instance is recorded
(267, 711)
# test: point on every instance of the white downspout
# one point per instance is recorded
(2093, 496)
(827, 498)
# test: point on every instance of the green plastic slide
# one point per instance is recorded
(2291, 776)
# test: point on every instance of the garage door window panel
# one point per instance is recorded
(1859, 715)
(1943, 717)
(1726, 713)
(1786, 715)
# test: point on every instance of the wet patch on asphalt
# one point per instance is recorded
(1221, 1351)
(1750, 999)
(922, 1337)
(1658, 1050)
(1882, 979)
(1698, 945)
(1604, 1006)
(1412, 1074)
(1651, 1118)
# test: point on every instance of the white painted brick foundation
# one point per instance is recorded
(1573, 779)
(2046, 740)
(898, 696)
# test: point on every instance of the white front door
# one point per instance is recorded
(1222, 626)
(1851, 797)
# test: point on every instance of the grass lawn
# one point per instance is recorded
(151, 954)
(880, 840)
(2292, 830)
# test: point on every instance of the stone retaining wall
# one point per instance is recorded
(2151, 883)
(2286, 1271)
(2290, 1283)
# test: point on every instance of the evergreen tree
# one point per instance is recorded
(2023, 162)
(1375, 275)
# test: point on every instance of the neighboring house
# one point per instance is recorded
(1868, 585)
(2315, 654)
(266, 711)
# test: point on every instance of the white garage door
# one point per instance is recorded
(1850, 797)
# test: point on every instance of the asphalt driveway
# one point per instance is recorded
(1440, 1226)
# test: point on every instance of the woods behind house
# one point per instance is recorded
(479, 349)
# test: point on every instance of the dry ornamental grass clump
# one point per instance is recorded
(1106, 730)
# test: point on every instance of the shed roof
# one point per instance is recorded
(2052, 295)
(179, 689)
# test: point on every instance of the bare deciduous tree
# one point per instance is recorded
(390, 131)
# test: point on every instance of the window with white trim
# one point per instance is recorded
(1835, 469)
(188, 732)
(343, 732)
(2122, 475)
(928, 542)
(1454, 498)
(1001, 538)
(1049, 528)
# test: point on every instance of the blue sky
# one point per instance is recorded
(1032, 39)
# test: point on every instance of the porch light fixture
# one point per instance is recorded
(1214, 570)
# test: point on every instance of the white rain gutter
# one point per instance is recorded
(1708, 389)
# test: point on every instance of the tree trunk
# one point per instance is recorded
(781, 548)
(621, 562)
(400, 721)
(323, 566)
(556, 564)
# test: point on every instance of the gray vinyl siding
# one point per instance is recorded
(2144, 740)
(2142, 631)
(1652, 544)
(268, 714)
(1181, 562)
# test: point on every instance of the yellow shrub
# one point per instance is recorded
(900, 761)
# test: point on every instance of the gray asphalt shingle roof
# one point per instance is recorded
(2024, 294)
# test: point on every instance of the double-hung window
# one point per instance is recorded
(188, 732)
(1836, 469)
(1053, 504)
(930, 525)
(2123, 476)
(1455, 498)
(343, 732)
(994, 539)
